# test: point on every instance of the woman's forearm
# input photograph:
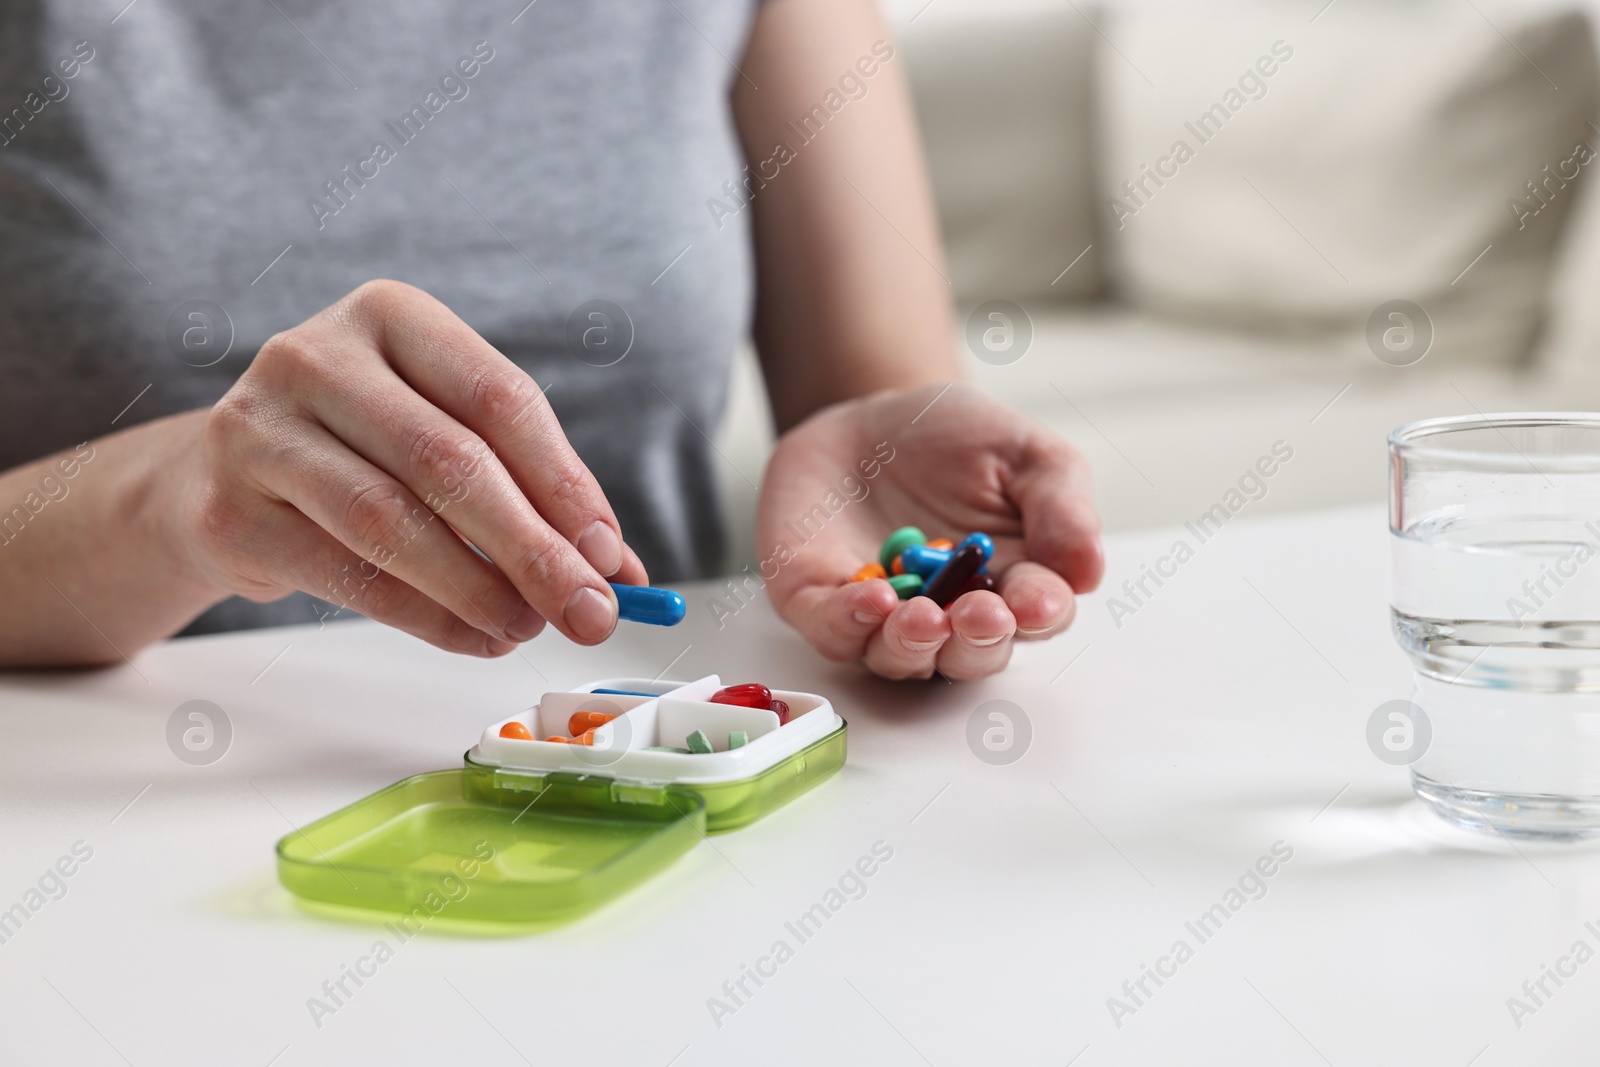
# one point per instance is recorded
(852, 288)
(91, 567)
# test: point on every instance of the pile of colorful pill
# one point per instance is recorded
(746, 695)
(940, 570)
(583, 724)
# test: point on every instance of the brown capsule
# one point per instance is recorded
(948, 582)
(977, 581)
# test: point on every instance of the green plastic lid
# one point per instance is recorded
(478, 843)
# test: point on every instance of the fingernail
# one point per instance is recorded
(921, 646)
(590, 615)
(498, 647)
(601, 546)
(866, 618)
(1034, 632)
(983, 642)
(526, 626)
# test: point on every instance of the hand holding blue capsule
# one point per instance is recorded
(643, 603)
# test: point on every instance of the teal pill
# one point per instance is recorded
(898, 542)
(699, 743)
(906, 585)
(738, 739)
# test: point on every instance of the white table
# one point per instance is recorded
(1226, 715)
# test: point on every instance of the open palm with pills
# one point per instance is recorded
(949, 460)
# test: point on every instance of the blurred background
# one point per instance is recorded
(1177, 311)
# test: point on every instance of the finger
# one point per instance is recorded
(1039, 598)
(838, 620)
(632, 571)
(381, 521)
(455, 473)
(1060, 525)
(907, 644)
(980, 641)
(307, 557)
(446, 361)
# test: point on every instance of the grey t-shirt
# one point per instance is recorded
(191, 176)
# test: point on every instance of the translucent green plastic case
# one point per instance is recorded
(537, 832)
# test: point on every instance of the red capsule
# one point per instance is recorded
(782, 708)
(947, 583)
(748, 695)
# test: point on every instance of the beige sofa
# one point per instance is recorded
(1226, 308)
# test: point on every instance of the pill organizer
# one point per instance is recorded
(538, 832)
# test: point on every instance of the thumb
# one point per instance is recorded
(1051, 488)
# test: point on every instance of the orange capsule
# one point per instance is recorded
(869, 572)
(558, 739)
(897, 567)
(516, 730)
(943, 543)
(585, 738)
(582, 721)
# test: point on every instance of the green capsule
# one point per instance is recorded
(906, 585)
(897, 543)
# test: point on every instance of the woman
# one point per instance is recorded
(589, 204)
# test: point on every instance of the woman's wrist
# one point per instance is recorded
(157, 498)
(100, 568)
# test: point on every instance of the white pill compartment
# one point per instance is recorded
(621, 747)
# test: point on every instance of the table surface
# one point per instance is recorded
(1224, 718)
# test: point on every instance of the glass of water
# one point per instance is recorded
(1494, 532)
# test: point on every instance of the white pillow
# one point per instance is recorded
(1003, 100)
(1370, 155)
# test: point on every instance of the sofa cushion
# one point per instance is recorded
(1169, 415)
(1002, 98)
(1266, 170)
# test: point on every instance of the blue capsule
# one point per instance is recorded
(643, 603)
(922, 560)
